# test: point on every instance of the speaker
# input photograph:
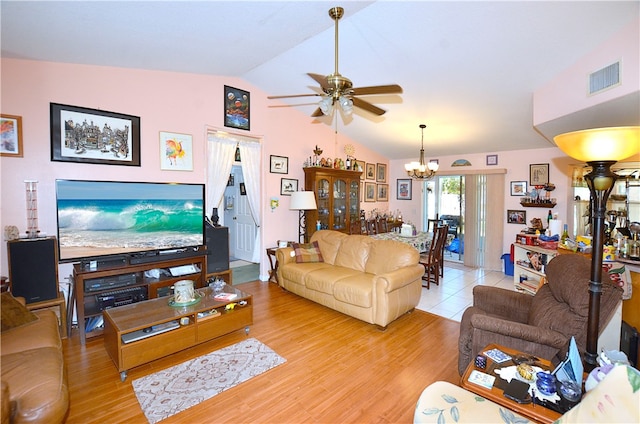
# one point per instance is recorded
(33, 268)
(217, 249)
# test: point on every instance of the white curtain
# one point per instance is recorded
(222, 148)
(250, 155)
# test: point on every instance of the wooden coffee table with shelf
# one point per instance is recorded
(532, 411)
(173, 328)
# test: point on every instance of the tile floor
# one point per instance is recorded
(455, 292)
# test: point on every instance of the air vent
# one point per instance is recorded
(604, 78)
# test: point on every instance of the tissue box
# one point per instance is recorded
(406, 230)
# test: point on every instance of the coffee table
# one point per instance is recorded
(495, 394)
(142, 332)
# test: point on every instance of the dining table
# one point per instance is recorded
(421, 241)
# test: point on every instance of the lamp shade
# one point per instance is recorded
(303, 200)
(600, 144)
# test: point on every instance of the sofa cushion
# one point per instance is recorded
(564, 274)
(309, 252)
(14, 314)
(390, 255)
(330, 242)
(323, 279)
(296, 273)
(37, 381)
(43, 332)
(355, 290)
(353, 252)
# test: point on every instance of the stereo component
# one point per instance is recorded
(110, 282)
(122, 297)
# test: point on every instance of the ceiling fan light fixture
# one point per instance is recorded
(420, 170)
(346, 104)
(326, 105)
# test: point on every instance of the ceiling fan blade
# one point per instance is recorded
(368, 106)
(320, 79)
(316, 113)
(292, 95)
(377, 89)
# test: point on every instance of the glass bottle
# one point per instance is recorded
(565, 234)
(634, 252)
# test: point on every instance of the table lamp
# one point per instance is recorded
(600, 148)
(303, 201)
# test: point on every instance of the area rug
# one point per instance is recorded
(175, 389)
(246, 273)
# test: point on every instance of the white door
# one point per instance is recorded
(242, 227)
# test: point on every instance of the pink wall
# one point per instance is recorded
(568, 92)
(165, 101)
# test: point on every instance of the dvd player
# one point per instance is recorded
(110, 282)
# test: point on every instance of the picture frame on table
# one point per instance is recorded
(492, 160)
(382, 194)
(237, 108)
(381, 173)
(538, 174)
(288, 186)
(279, 164)
(84, 135)
(371, 171)
(516, 217)
(404, 189)
(176, 151)
(369, 192)
(518, 188)
(11, 135)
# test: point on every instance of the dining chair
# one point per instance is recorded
(371, 227)
(363, 226)
(382, 226)
(432, 224)
(355, 228)
(432, 258)
(444, 244)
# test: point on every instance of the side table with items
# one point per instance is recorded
(495, 391)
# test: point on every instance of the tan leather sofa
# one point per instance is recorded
(34, 380)
(375, 281)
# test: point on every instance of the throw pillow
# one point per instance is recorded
(14, 313)
(309, 252)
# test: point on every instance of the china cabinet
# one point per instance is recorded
(337, 193)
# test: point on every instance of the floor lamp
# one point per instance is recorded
(600, 148)
(303, 201)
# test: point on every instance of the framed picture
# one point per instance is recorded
(383, 193)
(279, 165)
(176, 151)
(381, 173)
(288, 186)
(359, 166)
(236, 108)
(11, 135)
(539, 174)
(371, 171)
(492, 160)
(403, 189)
(231, 180)
(518, 188)
(243, 190)
(237, 157)
(436, 161)
(369, 192)
(96, 136)
(516, 217)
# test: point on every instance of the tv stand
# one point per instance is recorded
(125, 284)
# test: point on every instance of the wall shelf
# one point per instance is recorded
(538, 205)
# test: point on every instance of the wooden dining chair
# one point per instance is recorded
(363, 226)
(382, 226)
(371, 227)
(432, 258)
(355, 227)
(444, 243)
(432, 224)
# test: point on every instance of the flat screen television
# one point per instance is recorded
(106, 218)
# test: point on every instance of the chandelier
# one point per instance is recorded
(420, 170)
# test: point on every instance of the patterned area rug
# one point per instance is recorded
(175, 389)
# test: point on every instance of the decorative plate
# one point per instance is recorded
(172, 301)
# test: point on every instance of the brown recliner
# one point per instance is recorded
(541, 325)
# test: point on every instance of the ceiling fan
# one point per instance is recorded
(339, 89)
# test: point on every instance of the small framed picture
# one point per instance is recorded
(516, 217)
(359, 166)
(288, 186)
(279, 165)
(11, 135)
(436, 161)
(369, 192)
(518, 188)
(237, 157)
(403, 189)
(243, 190)
(381, 173)
(231, 180)
(236, 108)
(371, 171)
(383, 193)
(539, 174)
(176, 151)
(492, 160)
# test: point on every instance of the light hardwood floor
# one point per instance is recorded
(338, 369)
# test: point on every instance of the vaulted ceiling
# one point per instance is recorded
(468, 69)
